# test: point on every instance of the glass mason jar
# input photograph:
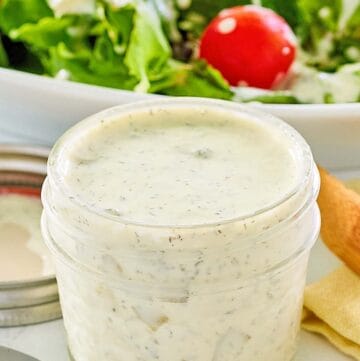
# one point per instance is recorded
(224, 291)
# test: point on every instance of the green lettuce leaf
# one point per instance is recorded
(44, 34)
(169, 17)
(274, 98)
(105, 60)
(195, 79)
(354, 21)
(248, 94)
(14, 13)
(148, 49)
(289, 10)
(81, 67)
(210, 8)
(329, 33)
(327, 12)
(120, 23)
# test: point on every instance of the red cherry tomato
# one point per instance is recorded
(250, 45)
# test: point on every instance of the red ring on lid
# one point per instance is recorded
(24, 191)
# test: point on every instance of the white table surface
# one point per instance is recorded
(47, 341)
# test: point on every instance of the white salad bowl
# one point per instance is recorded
(37, 109)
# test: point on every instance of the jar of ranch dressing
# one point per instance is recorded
(181, 231)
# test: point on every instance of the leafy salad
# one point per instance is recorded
(272, 51)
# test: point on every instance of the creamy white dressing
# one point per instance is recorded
(166, 169)
(63, 7)
(256, 2)
(23, 254)
(311, 86)
(183, 4)
(324, 48)
(120, 3)
(308, 85)
(347, 10)
(353, 53)
(222, 291)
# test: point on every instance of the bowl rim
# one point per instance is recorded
(70, 87)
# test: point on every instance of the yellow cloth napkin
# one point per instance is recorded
(332, 309)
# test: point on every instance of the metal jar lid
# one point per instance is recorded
(35, 300)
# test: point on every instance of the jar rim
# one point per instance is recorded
(56, 155)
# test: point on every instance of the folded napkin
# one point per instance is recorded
(332, 309)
